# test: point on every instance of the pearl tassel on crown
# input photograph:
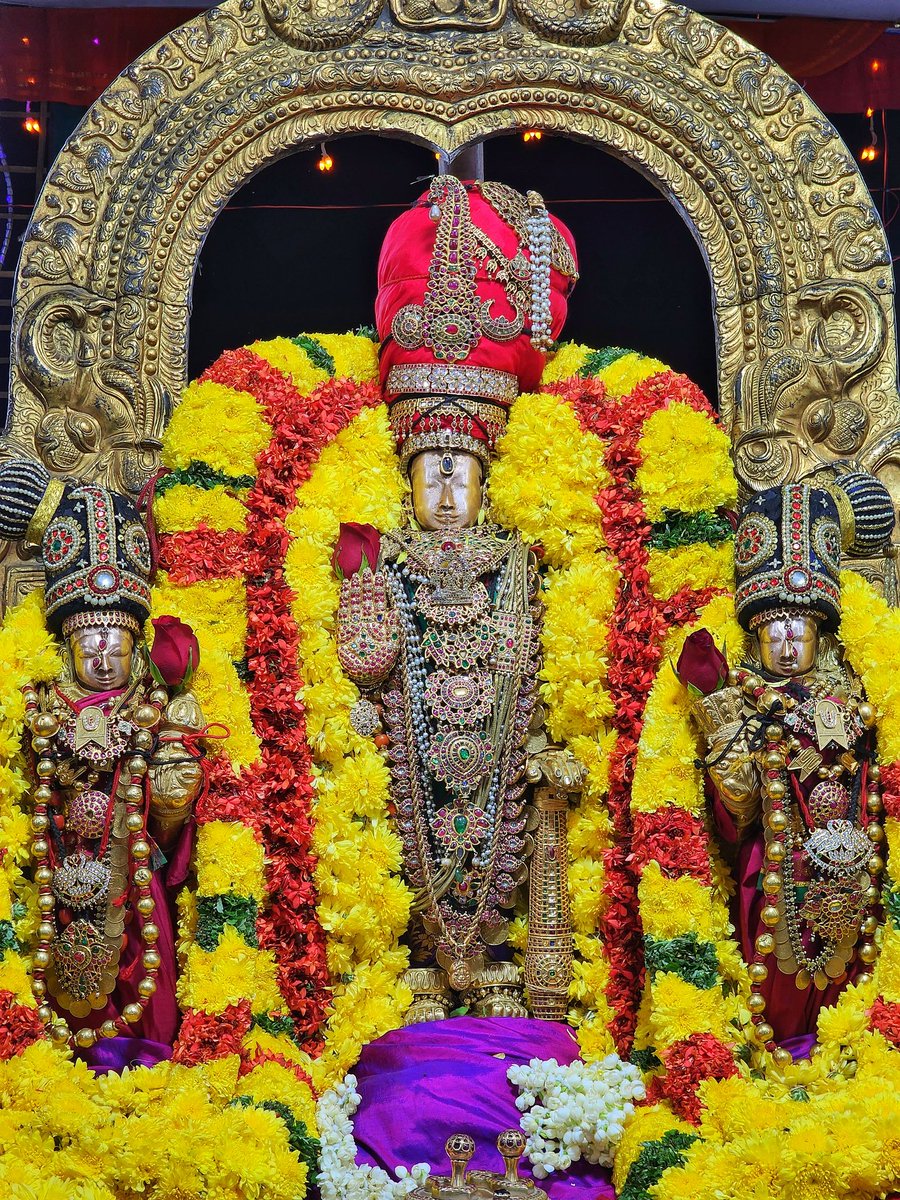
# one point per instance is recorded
(539, 249)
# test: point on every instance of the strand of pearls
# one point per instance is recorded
(540, 233)
(416, 673)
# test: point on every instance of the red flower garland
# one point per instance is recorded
(884, 1017)
(272, 796)
(638, 628)
(20, 1026)
(205, 1036)
(688, 1064)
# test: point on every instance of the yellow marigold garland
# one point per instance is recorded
(686, 463)
(546, 478)
(544, 483)
(364, 912)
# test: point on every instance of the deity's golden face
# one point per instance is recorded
(446, 489)
(102, 657)
(788, 645)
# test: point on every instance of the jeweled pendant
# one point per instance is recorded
(80, 957)
(81, 882)
(364, 718)
(88, 813)
(460, 758)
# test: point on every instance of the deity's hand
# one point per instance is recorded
(368, 629)
(176, 771)
(556, 767)
(729, 759)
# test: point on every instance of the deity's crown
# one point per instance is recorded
(94, 546)
(473, 284)
(787, 549)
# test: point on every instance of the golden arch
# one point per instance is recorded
(797, 256)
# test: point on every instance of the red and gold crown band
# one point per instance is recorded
(108, 619)
(446, 423)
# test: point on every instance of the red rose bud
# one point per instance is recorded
(358, 547)
(175, 654)
(702, 665)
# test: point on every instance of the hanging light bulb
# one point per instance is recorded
(326, 162)
(869, 153)
(532, 135)
(31, 124)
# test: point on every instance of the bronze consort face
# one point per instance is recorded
(446, 489)
(101, 657)
(788, 645)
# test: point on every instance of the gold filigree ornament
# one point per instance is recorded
(453, 319)
(834, 908)
(84, 965)
(453, 14)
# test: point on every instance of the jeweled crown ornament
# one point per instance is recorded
(788, 555)
(473, 284)
(93, 543)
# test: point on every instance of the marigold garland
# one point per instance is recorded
(297, 799)
(632, 402)
(544, 483)
(364, 913)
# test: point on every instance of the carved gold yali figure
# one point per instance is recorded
(116, 766)
(791, 758)
(439, 625)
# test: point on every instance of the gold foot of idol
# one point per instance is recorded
(496, 991)
(431, 995)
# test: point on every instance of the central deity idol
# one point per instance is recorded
(439, 624)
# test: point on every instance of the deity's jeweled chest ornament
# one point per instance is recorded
(102, 739)
(457, 715)
(791, 746)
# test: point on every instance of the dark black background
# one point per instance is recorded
(271, 266)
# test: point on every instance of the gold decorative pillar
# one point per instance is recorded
(548, 957)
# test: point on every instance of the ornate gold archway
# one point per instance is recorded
(797, 256)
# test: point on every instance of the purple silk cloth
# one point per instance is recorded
(114, 1054)
(425, 1082)
(154, 1035)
